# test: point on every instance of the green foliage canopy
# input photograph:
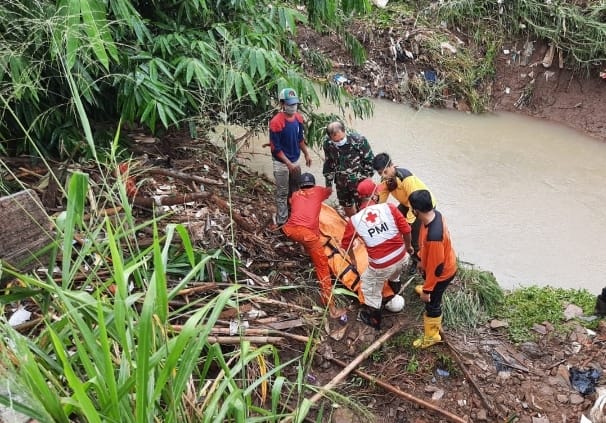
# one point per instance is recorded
(150, 62)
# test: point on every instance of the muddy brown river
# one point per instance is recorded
(524, 198)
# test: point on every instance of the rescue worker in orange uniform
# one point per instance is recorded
(438, 264)
(303, 226)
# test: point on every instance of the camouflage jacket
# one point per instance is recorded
(347, 165)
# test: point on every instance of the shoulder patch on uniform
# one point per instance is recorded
(435, 230)
(402, 173)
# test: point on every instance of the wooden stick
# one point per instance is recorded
(264, 332)
(232, 340)
(184, 176)
(243, 223)
(455, 354)
(169, 200)
(351, 366)
(395, 390)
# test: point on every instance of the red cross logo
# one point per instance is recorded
(371, 217)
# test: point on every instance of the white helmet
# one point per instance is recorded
(396, 304)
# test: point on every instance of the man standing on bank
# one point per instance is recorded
(386, 235)
(348, 160)
(400, 183)
(438, 264)
(287, 140)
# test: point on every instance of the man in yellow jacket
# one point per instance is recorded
(400, 183)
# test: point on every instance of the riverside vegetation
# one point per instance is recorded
(74, 73)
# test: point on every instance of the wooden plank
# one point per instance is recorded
(24, 230)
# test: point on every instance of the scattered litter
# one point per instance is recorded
(505, 51)
(507, 90)
(311, 379)
(343, 319)
(430, 76)
(19, 316)
(442, 372)
(236, 327)
(340, 79)
(584, 381)
(447, 46)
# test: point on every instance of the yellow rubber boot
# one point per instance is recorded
(419, 289)
(431, 335)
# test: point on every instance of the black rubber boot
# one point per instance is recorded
(371, 317)
(600, 304)
(395, 286)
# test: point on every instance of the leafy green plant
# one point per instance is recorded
(531, 305)
(413, 365)
(446, 362)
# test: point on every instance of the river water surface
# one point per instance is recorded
(523, 198)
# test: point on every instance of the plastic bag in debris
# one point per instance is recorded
(584, 381)
(340, 79)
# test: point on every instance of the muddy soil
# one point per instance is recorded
(476, 375)
(528, 80)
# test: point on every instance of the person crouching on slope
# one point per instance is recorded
(303, 226)
(386, 234)
(438, 265)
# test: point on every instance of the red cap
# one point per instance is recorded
(366, 188)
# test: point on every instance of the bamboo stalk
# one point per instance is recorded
(395, 390)
(184, 176)
(232, 340)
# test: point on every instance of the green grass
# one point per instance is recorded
(527, 306)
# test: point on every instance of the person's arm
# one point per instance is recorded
(302, 143)
(347, 241)
(383, 192)
(327, 191)
(305, 150)
(328, 169)
(367, 158)
(404, 228)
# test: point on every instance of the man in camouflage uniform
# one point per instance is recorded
(348, 160)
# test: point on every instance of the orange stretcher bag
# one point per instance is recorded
(332, 227)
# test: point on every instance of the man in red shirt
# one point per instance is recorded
(438, 264)
(386, 235)
(303, 226)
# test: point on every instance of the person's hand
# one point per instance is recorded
(425, 297)
(293, 168)
(391, 183)
(410, 250)
(307, 159)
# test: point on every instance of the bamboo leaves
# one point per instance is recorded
(87, 17)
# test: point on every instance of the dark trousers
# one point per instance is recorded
(434, 307)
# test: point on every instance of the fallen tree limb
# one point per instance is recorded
(232, 340)
(224, 205)
(351, 366)
(261, 332)
(395, 390)
(169, 200)
(183, 176)
(487, 403)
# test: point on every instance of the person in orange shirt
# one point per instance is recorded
(303, 226)
(438, 264)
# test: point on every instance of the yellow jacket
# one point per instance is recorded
(407, 183)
